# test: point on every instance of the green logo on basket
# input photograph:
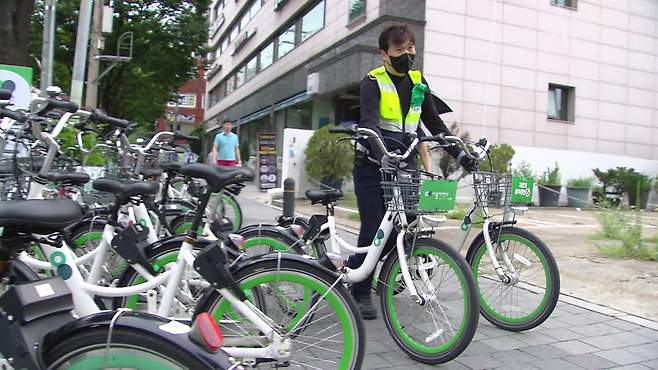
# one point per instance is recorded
(522, 189)
(143, 222)
(378, 238)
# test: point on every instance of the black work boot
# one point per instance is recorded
(367, 309)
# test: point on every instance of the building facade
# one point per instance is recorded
(572, 81)
(186, 112)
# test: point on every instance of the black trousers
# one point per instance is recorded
(371, 205)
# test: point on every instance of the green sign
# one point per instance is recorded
(437, 195)
(522, 189)
(18, 80)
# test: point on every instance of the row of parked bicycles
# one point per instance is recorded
(162, 273)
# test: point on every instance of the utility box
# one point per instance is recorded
(108, 19)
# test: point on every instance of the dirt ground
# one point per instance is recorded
(622, 284)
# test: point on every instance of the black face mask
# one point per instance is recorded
(402, 63)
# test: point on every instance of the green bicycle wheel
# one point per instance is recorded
(441, 327)
(532, 294)
(332, 339)
(88, 350)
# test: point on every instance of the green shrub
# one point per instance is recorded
(457, 214)
(581, 182)
(551, 177)
(326, 159)
(618, 226)
(523, 170)
(499, 159)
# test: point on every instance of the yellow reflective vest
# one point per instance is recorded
(390, 111)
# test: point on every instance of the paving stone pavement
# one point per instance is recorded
(573, 337)
(598, 342)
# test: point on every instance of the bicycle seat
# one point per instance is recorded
(171, 166)
(69, 178)
(216, 177)
(151, 172)
(125, 189)
(7, 167)
(323, 196)
(40, 216)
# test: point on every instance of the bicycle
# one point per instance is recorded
(40, 332)
(423, 274)
(519, 281)
(267, 340)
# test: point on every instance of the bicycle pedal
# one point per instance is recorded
(281, 364)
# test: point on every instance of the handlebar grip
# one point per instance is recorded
(439, 137)
(343, 129)
(15, 115)
(67, 106)
(179, 136)
(5, 94)
(100, 117)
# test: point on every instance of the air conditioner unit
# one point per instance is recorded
(313, 83)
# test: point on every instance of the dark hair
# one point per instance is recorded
(225, 120)
(396, 34)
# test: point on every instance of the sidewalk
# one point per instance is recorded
(579, 334)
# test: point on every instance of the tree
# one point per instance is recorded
(15, 31)
(168, 35)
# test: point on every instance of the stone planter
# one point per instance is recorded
(577, 197)
(644, 198)
(549, 195)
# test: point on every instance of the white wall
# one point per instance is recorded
(492, 62)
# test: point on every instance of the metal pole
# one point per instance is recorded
(93, 65)
(80, 58)
(48, 45)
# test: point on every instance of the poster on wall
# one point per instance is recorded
(267, 163)
(18, 80)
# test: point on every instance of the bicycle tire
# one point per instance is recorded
(274, 271)
(86, 350)
(400, 332)
(271, 238)
(475, 256)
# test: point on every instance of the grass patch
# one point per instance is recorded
(626, 230)
(354, 217)
(349, 200)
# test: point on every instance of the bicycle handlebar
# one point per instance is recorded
(354, 130)
(66, 106)
(13, 114)
(99, 116)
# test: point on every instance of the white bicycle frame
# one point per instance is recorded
(84, 291)
(374, 250)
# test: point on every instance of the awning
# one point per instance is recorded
(299, 98)
(258, 114)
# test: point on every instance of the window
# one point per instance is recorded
(286, 41)
(266, 56)
(313, 21)
(357, 8)
(244, 20)
(255, 7)
(565, 3)
(184, 100)
(230, 84)
(561, 101)
(251, 68)
(239, 77)
(224, 44)
(234, 33)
